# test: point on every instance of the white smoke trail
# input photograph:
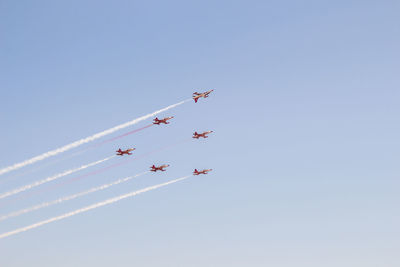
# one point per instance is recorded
(62, 199)
(93, 206)
(85, 140)
(51, 178)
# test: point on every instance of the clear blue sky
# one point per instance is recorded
(305, 111)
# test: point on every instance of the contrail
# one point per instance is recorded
(123, 135)
(82, 176)
(77, 153)
(93, 206)
(62, 199)
(51, 178)
(85, 140)
(110, 140)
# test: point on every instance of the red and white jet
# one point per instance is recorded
(159, 168)
(198, 135)
(196, 172)
(122, 152)
(197, 95)
(158, 121)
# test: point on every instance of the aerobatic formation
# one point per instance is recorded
(120, 152)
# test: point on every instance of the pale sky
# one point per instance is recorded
(305, 115)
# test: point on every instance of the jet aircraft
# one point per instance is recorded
(158, 121)
(159, 168)
(196, 172)
(122, 152)
(197, 95)
(204, 135)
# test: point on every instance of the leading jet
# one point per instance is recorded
(197, 95)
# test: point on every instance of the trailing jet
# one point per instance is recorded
(158, 121)
(159, 168)
(122, 152)
(196, 172)
(204, 135)
(197, 95)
